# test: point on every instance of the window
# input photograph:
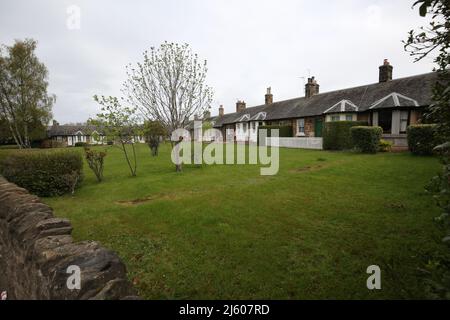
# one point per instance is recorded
(404, 120)
(244, 125)
(336, 118)
(349, 117)
(301, 126)
(254, 126)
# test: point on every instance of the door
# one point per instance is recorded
(318, 127)
(385, 120)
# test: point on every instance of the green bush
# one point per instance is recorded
(366, 139)
(95, 160)
(385, 146)
(50, 144)
(336, 135)
(81, 144)
(9, 147)
(422, 139)
(44, 173)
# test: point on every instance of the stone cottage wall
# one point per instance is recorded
(36, 250)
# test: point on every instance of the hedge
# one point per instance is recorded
(49, 144)
(422, 139)
(366, 139)
(44, 173)
(336, 135)
(81, 144)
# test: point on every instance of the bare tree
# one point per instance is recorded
(169, 86)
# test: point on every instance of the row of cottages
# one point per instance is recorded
(390, 104)
(69, 134)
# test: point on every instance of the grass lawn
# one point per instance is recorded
(226, 232)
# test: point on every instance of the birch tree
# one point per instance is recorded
(25, 105)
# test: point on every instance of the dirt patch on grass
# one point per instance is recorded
(307, 168)
(156, 197)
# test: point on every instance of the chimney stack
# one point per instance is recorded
(221, 111)
(311, 88)
(240, 106)
(269, 96)
(386, 71)
(55, 123)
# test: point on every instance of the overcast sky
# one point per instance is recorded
(249, 44)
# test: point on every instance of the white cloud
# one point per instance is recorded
(249, 45)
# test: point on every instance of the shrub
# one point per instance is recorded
(336, 135)
(384, 146)
(95, 160)
(366, 139)
(44, 173)
(49, 144)
(422, 139)
(81, 144)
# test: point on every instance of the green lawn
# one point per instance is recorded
(226, 232)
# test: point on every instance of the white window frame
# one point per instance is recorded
(333, 118)
(404, 120)
(301, 127)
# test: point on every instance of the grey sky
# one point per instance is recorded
(249, 44)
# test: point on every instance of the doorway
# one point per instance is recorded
(385, 120)
(318, 127)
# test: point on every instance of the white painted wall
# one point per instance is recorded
(296, 143)
(253, 131)
(242, 132)
(375, 119)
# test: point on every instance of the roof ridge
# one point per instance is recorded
(350, 88)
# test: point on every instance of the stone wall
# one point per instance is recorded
(36, 250)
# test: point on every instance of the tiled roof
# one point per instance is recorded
(415, 91)
(70, 130)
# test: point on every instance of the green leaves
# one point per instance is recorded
(423, 9)
(169, 85)
(25, 105)
(119, 124)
